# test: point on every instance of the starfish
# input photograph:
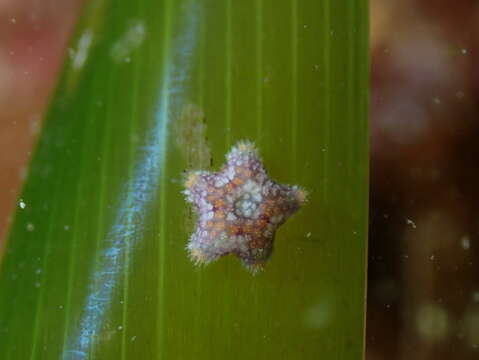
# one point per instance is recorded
(239, 209)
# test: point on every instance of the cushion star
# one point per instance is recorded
(239, 209)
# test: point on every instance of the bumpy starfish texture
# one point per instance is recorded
(239, 209)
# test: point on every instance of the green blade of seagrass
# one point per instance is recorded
(95, 265)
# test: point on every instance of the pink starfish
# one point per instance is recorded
(239, 209)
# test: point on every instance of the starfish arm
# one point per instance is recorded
(242, 149)
(244, 157)
(285, 200)
(194, 183)
(294, 197)
(203, 248)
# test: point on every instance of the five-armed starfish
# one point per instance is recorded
(239, 209)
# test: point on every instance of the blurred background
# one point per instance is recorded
(423, 271)
(423, 268)
(33, 41)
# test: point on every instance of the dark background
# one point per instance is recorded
(423, 270)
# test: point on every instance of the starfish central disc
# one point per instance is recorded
(248, 203)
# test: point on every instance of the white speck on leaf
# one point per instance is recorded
(130, 41)
(80, 54)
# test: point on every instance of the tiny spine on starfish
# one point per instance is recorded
(191, 179)
(300, 194)
(199, 257)
(254, 269)
(243, 147)
(246, 145)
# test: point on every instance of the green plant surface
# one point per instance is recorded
(95, 265)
